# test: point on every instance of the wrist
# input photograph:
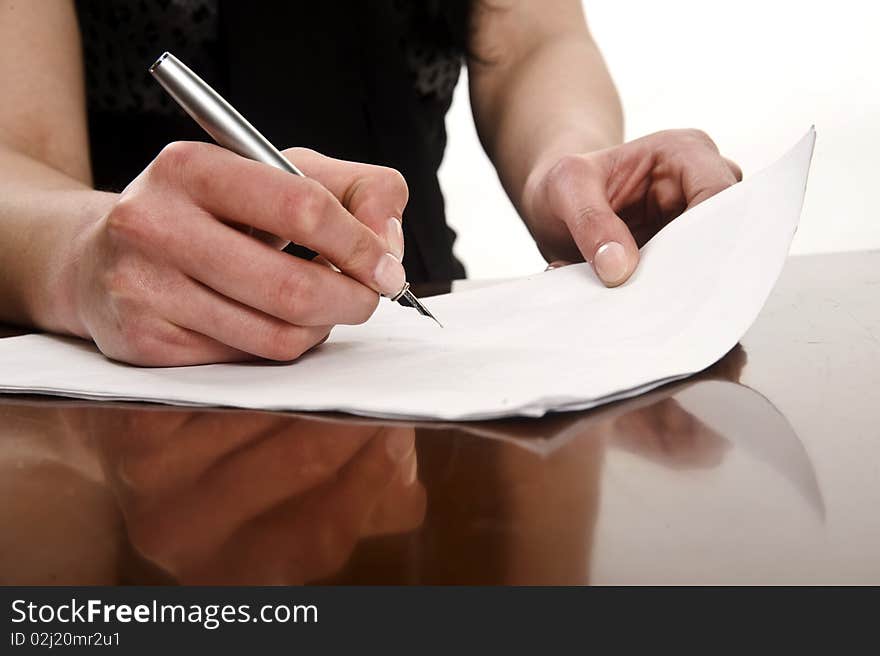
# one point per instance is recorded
(55, 297)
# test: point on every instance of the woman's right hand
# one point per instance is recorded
(167, 277)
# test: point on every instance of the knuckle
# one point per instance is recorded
(137, 332)
(126, 220)
(293, 289)
(569, 170)
(307, 202)
(701, 137)
(130, 331)
(137, 223)
(318, 200)
(394, 185)
(564, 180)
(177, 157)
(285, 342)
(141, 343)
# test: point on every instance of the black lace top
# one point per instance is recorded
(368, 81)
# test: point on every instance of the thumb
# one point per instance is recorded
(577, 196)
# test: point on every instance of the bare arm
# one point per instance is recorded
(549, 117)
(539, 88)
(45, 177)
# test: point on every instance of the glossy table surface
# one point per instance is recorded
(763, 469)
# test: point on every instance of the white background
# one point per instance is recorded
(755, 74)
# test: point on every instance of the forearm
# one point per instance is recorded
(43, 216)
(554, 100)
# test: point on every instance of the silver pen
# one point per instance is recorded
(231, 130)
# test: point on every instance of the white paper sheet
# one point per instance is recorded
(553, 341)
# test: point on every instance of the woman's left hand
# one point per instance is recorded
(602, 206)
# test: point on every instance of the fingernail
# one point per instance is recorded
(394, 237)
(610, 263)
(390, 277)
(399, 444)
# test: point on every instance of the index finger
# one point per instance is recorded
(371, 193)
(375, 195)
(294, 208)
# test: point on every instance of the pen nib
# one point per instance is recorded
(412, 301)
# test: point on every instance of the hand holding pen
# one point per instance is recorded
(168, 276)
(231, 130)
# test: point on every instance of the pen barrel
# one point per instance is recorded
(216, 116)
(226, 126)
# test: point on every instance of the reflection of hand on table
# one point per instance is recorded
(666, 433)
(60, 524)
(278, 500)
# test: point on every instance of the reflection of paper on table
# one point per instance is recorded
(554, 341)
(736, 413)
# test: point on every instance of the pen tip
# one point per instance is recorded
(417, 304)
